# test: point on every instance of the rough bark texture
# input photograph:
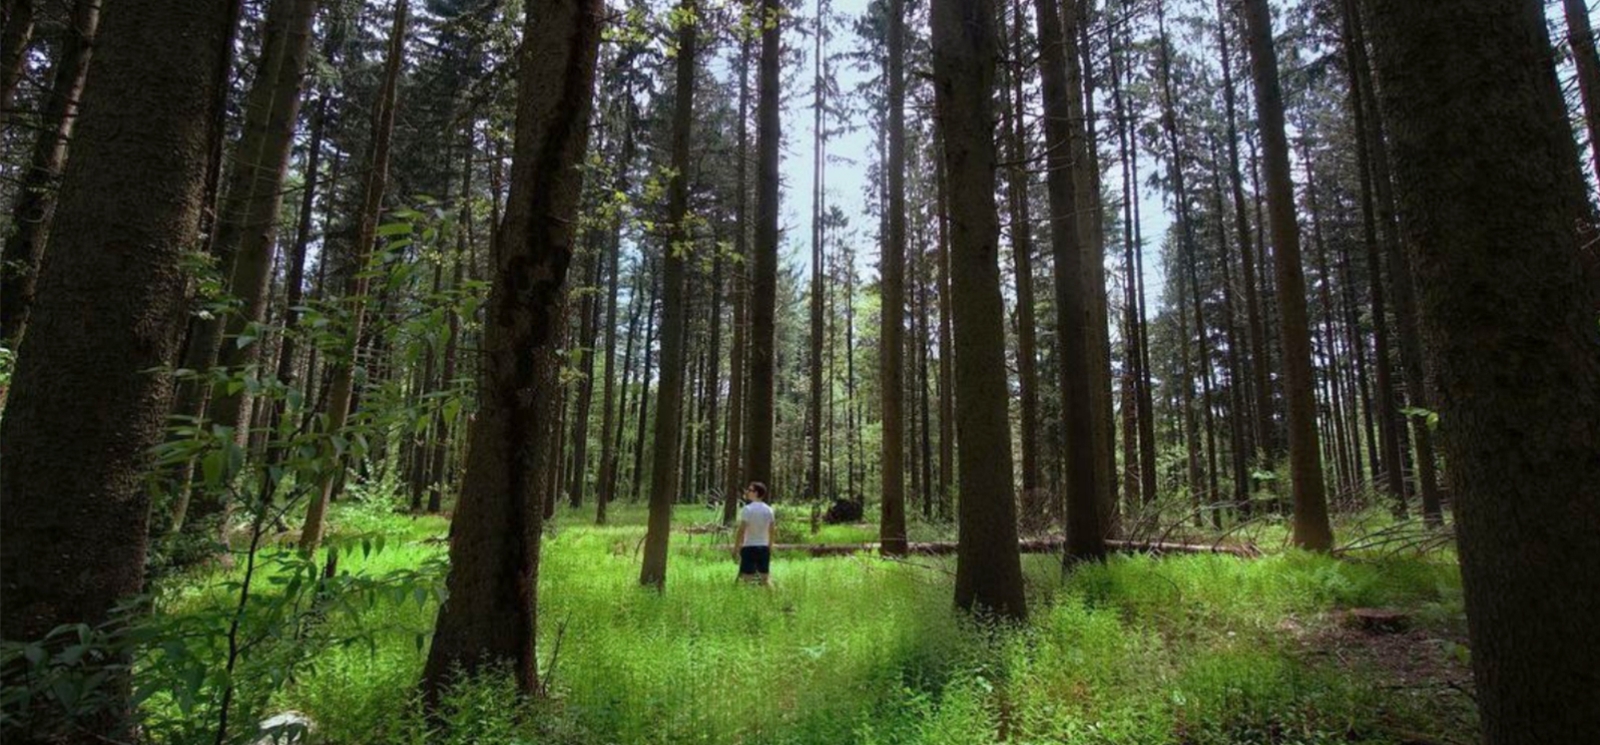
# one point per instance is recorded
(1311, 529)
(669, 397)
(1488, 178)
(988, 567)
(30, 214)
(739, 284)
(494, 542)
(1085, 534)
(85, 407)
(891, 271)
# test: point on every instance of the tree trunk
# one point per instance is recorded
(1311, 529)
(764, 277)
(73, 535)
(490, 614)
(342, 387)
(31, 213)
(734, 473)
(1581, 37)
(1488, 177)
(988, 567)
(610, 414)
(1022, 263)
(16, 33)
(1266, 439)
(1085, 533)
(669, 398)
(891, 270)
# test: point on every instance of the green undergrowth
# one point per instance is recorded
(856, 649)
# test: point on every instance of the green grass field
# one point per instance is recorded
(1187, 649)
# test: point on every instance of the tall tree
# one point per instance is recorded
(1022, 262)
(734, 473)
(341, 391)
(988, 567)
(764, 275)
(73, 535)
(490, 614)
(891, 272)
(1487, 174)
(1085, 533)
(31, 212)
(16, 34)
(1311, 528)
(675, 259)
(819, 145)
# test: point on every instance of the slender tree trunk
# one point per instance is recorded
(610, 414)
(342, 386)
(578, 463)
(490, 615)
(764, 276)
(73, 532)
(988, 567)
(1266, 436)
(732, 486)
(1170, 125)
(35, 199)
(891, 270)
(1488, 176)
(1311, 529)
(1085, 533)
(16, 34)
(650, 330)
(1581, 37)
(674, 330)
(1132, 358)
(1022, 262)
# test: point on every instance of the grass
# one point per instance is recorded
(1190, 649)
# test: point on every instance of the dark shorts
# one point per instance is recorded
(755, 560)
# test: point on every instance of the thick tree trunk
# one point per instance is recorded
(341, 388)
(988, 567)
(891, 271)
(489, 616)
(1311, 529)
(31, 213)
(73, 532)
(1488, 177)
(1085, 533)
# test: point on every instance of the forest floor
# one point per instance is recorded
(1194, 649)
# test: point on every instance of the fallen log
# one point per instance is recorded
(1029, 546)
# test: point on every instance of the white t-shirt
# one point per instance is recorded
(758, 519)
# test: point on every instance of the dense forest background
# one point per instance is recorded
(346, 345)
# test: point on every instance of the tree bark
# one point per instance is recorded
(764, 277)
(1581, 36)
(490, 614)
(1488, 177)
(891, 270)
(1022, 263)
(35, 200)
(988, 567)
(1311, 528)
(1085, 533)
(73, 532)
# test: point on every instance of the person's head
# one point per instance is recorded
(755, 492)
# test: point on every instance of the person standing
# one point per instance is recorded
(752, 543)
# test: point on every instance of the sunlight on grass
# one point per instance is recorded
(1188, 649)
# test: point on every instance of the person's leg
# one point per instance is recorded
(764, 564)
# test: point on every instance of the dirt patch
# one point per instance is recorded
(1424, 673)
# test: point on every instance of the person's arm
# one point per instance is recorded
(738, 538)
